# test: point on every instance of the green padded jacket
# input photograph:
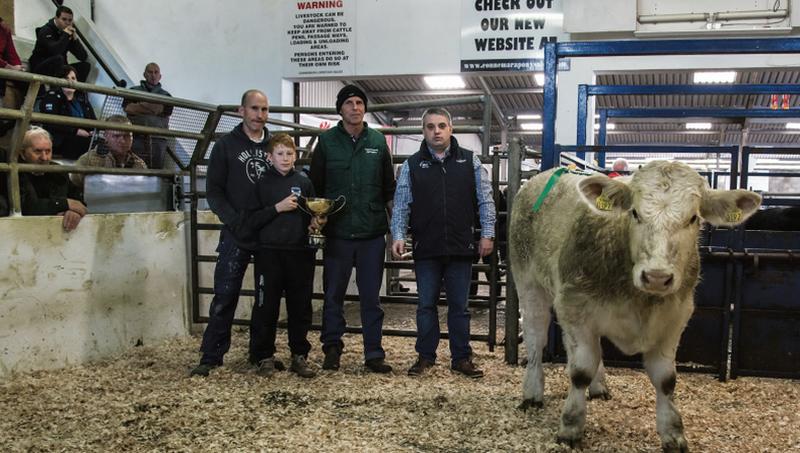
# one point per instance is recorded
(361, 171)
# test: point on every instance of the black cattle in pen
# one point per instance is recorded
(775, 219)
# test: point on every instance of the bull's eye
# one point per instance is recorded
(635, 215)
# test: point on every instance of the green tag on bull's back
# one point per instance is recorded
(548, 187)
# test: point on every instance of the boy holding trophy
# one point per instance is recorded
(284, 263)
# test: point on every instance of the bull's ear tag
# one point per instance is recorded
(603, 203)
(734, 215)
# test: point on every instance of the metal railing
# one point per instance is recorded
(204, 138)
(26, 115)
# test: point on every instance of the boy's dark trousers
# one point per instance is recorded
(277, 272)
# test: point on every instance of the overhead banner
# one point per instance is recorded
(508, 35)
(320, 38)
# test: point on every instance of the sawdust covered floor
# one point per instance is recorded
(144, 401)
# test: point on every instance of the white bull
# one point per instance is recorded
(617, 259)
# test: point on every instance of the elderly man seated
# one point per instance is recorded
(47, 193)
(115, 153)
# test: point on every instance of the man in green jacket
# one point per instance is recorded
(354, 161)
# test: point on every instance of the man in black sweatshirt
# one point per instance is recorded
(53, 40)
(238, 160)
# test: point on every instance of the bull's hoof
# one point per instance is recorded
(604, 395)
(569, 441)
(675, 445)
(528, 403)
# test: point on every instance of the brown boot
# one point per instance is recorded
(467, 368)
(420, 366)
(300, 367)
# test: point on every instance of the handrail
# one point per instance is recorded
(126, 93)
(25, 115)
(90, 170)
(97, 124)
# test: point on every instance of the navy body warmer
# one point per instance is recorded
(444, 205)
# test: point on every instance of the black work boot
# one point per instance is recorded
(333, 356)
(378, 366)
(203, 369)
(300, 367)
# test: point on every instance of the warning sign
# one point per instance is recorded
(320, 38)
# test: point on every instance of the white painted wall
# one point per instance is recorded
(211, 51)
(584, 16)
(70, 298)
(30, 14)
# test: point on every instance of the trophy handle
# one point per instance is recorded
(302, 201)
(344, 202)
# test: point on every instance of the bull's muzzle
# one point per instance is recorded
(657, 280)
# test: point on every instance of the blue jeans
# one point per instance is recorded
(228, 275)
(456, 273)
(367, 255)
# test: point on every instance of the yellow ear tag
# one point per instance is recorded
(572, 167)
(603, 203)
(734, 215)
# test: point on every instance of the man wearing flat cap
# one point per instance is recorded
(354, 161)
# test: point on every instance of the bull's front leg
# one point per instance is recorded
(583, 358)
(660, 366)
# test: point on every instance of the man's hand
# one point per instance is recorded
(83, 133)
(77, 207)
(153, 109)
(15, 67)
(317, 223)
(287, 204)
(485, 246)
(398, 248)
(70, 31)
(71, 220)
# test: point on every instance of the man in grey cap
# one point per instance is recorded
(353, 161)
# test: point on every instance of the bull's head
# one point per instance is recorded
(664, 203)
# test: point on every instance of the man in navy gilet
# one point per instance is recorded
(447, 185)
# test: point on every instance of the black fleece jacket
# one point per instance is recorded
(284, 230)
(51, 41)
(46, 193)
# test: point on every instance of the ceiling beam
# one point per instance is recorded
(463, 92)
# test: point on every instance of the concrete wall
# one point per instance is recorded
(70, 298)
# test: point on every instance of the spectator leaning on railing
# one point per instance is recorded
(151, 149)
(114, 153)
(47, 193)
